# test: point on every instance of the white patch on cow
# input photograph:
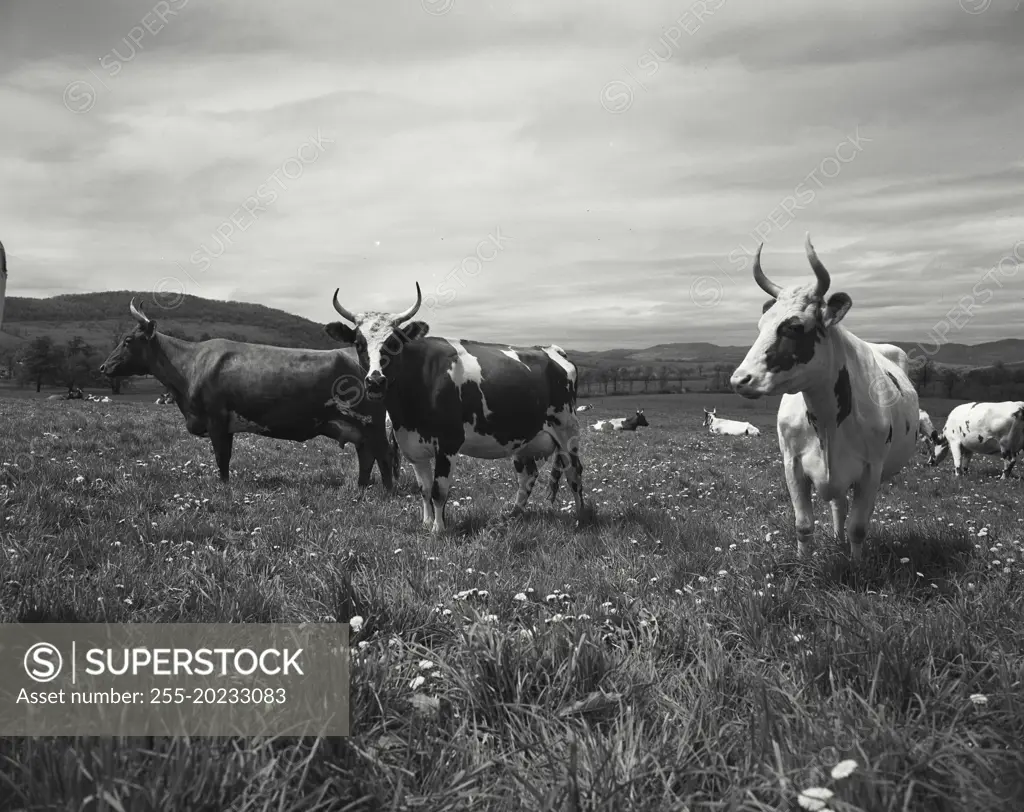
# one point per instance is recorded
(416, 447)
(466, 369)
(511, 353)
(557, 354)
(241, 425)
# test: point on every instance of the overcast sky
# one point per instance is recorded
(588, 173)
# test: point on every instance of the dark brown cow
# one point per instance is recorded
(226, 387)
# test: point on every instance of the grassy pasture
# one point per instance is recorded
(671, 655)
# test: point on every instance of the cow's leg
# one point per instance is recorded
(557, 469)
(1008, 460)
(365, 455)
(526, 471)
(574, 475)
(383, 449)
(222, 441)
(839, 506)
(425, 478)
(800, 495)
(865, 493)
(957, 455)
(440, 487)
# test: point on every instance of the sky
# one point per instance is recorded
(595, 174)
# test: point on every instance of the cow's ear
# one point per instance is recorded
(414, 330)
(767, 306)
(340, 332)
(838, 306)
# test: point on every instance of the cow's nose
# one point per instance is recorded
(376, 380)
(740, 380)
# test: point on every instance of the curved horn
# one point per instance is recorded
(341, 310)
(824, 280)
(763, 281)
(140, 317)
(405, 315)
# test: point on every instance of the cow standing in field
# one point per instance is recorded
(227, 387)
(982, 428)
(622, 423)
(721, 425)
(449, 396)
(849, 413)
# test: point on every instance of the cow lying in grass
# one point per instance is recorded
(226, 387)
(722, 425)
(622, 423)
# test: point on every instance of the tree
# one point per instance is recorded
(950, 378)
(613, 375)
(663, 375)
(602, 378)
(77, 362)
(40, 362)
(7, 360)
(646, 373)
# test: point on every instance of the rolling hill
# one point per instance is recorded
(98, 316)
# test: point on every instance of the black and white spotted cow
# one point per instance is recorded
(981, 428)
(447, 396)
(622, 423)
(849, 413)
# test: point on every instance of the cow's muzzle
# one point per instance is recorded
(376, 384)
(743, 384)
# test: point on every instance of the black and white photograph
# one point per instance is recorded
(463, 405)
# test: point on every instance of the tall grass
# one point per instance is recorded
(672, 654)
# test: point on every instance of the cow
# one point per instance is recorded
(227, 387)
(622, 423)
(586, 407)
(450, 396)
(73, 393)
(721, 425)
(982, 428)
(849, 413)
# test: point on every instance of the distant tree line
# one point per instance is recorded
(991, 383)
(665, 378)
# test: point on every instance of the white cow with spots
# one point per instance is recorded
(981, 428)
(722, 425)
(849, 414)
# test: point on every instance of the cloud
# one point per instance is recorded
(135, 140)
